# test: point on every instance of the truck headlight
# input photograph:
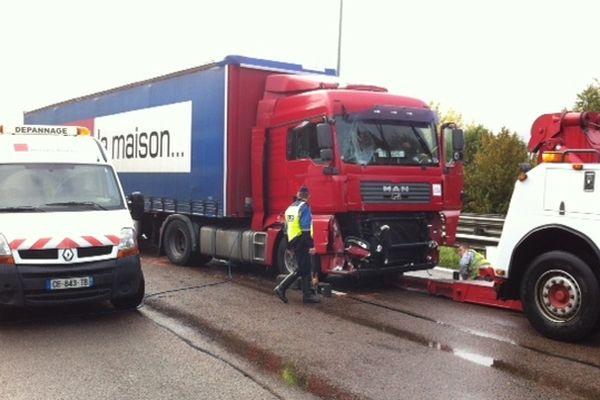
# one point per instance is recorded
(128, 243)
(5, 251)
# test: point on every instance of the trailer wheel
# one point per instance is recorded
(560, 295)
(178, 243)
(286, 261)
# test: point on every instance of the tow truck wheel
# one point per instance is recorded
(560, 294)
(178, 243)
(127, 303)
(286, 262)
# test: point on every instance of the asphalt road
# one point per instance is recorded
(203, 333)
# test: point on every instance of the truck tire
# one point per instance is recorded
(286, 261)
(178, 243)
(131, 302)
(560, 296)
(201, 259)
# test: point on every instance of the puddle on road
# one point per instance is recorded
(518, 370)
(475, 358)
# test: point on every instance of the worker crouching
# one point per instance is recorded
(470, 262)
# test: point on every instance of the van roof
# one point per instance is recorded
(50, 149)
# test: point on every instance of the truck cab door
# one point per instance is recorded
(308, 160)
(453, 140)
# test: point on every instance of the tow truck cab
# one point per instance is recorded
(66, 234)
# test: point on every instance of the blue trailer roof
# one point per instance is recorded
(274, 65)
(243, 61)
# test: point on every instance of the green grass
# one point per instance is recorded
(449, 257)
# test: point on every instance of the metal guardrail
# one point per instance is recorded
(480, 230)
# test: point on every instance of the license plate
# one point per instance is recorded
(70, 283)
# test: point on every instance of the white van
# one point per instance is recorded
(66, 234)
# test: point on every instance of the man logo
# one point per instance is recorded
(396, 189)
(396, 192)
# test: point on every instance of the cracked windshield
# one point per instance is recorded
(378, 142)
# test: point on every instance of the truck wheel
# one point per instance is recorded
(286, 261)
(201, 259)
(127, 303)
(560, 294)
(178, 243)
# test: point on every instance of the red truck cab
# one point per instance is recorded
(384, 194)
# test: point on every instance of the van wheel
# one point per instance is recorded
(178, 243)
(130, 302)
(286, 261)
(560, 294)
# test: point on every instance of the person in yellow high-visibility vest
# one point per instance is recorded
(470, 262)
(299, 230)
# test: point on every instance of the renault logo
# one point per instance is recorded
(67, 254)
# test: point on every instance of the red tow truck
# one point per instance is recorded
(548, 256)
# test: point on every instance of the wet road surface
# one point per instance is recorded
(218, 332)
(373, 340)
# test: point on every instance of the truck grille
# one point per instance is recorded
(395, 193)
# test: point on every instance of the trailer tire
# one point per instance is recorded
(178, 242)
(131, 302)
(285, 261)
(560, 294)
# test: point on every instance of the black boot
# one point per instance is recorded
(308, 296)
(284, 285)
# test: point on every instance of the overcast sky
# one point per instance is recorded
(498, 63)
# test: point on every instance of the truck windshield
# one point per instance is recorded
(64, 187)
(382, 142)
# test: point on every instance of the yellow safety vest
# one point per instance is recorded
(292, 221)
(478, 262)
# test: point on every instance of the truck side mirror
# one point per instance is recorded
(326, 154)
(136, 205)
(324, 136)
(458, 140)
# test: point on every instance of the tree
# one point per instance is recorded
(589, 99)
(490, 178)
(448, 116)
(474, 135)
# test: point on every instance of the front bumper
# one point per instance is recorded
(25, 285)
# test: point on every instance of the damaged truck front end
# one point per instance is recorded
(381, 243)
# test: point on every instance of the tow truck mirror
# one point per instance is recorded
(136, 205)
(324, 136)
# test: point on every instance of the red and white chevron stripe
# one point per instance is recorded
(64, 243)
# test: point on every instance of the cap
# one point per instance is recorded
(303, 191)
